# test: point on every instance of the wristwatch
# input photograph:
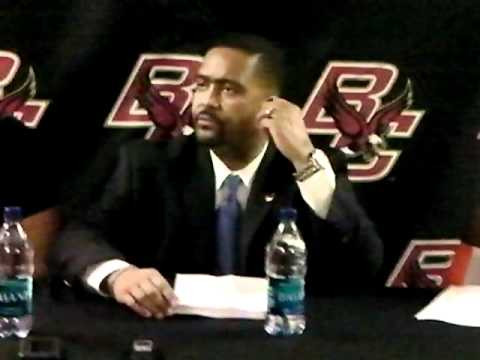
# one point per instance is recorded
(312, 167)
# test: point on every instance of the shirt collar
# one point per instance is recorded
(246, 174)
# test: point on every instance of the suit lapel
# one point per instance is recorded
(190, 206)
(192, 179)
(199, 209)
(263, 195)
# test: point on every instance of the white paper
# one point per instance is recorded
(455, 305)
(221, 296)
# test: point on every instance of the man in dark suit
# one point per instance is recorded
(165, 205)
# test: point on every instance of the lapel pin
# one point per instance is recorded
(269, 197)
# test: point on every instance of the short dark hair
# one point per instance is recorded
(271, 61)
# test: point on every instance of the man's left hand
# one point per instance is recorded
(284, 121)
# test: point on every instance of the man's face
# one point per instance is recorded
(228, 95)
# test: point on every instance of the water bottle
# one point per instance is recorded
(286, 266)
(16, 271)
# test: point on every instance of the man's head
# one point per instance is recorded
(237, 75)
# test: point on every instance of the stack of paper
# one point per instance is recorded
(221, 296)
(456, 305)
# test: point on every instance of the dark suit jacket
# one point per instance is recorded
(158, 210)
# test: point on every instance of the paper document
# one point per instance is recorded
(221, 296)
(456, 305)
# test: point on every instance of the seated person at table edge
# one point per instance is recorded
(166, 208)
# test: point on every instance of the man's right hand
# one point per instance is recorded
(143, 290)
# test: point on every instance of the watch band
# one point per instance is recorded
(312, 167)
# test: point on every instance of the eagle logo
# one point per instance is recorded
(362, 138)
(169, 121)
(10, 103)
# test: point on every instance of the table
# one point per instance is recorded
(370, 326)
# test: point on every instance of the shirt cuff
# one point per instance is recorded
(317, 190)
(95, 274)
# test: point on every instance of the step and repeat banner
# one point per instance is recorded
(404, 74)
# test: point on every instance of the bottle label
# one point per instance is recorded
(286, 296)
(16, 297)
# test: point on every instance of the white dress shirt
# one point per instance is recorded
(317, 191)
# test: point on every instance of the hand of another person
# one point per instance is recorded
(284, 122)
(143, 290)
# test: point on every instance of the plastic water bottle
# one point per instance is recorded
(286, 266)
(16, 271)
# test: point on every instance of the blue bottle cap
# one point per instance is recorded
(12, 213)
(287, 213)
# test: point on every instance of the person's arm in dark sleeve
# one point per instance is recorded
(355, 234)
(358, 232)
(87, 241)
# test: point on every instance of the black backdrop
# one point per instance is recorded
(84, 51)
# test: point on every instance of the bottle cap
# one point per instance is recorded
(287, 213)
(12, 213)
